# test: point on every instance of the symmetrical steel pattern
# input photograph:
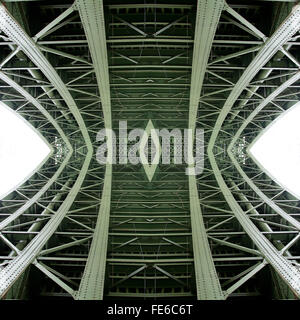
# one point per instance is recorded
(78, 229)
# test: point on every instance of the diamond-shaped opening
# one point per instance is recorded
(276, 150)
(145, 142)
(22, 150)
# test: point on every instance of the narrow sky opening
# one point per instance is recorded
(22, 150)
(277, 150)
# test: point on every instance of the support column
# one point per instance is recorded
(207, 18)
(92, 17)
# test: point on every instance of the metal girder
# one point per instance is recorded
(264, 73)
(236, 54)
(92, 282)
(35, 102)
(168, 26)
(37, 196)
(9, 244)
(290, 244)
(156, 42)
(250, 208)
(207, 18)
(235, 246)
(131, 26)
(63, 54)
(132, 274)
(169, 275)
(294, 222)
(49, 272)
(284, 268)
(29, 47)
(241, 274)
(32, 200)
(150, 5)
(14, 269)
(263, 104)
(136, 234)
(245, 22)
(254, 270)
(207, 281)
(52, 24)
(92, 17)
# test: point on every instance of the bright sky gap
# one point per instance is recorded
(277, 150)
(22, 150)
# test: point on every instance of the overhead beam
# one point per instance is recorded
(131, 26)
(150, 5)
(52, 24)
(168, 26)
(207, 18)
(246, 277)
(246, 23)
(49, 273)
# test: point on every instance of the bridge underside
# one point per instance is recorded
(79, 229)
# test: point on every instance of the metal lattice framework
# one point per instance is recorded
(91, 231)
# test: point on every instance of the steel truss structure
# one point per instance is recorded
(81, 230)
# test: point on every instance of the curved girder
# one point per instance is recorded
(14, 269)
(28, 46)
(207, 18)
(294, 222)
(92, 282)
(284, 268)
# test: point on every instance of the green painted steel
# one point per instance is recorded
(92, 282)
(91, 231)
(208, 285)
(285, 269)
(207, 19)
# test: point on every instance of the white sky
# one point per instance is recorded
(21, 150)
(278, 150)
